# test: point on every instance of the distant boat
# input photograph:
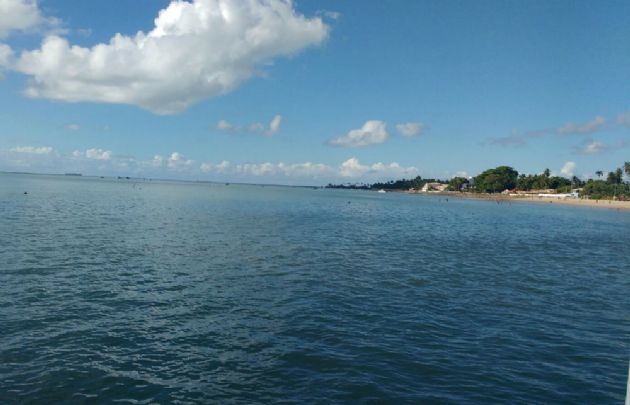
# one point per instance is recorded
(381, 191)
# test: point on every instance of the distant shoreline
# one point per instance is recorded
(608, 204)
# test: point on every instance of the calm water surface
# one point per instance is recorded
(116, 291)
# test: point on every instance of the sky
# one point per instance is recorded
(312, 92)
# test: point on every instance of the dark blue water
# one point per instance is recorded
(126, 292)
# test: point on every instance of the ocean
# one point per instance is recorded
(155, 292)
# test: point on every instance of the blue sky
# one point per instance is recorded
(359, 90)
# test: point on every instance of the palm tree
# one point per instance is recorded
(599, 173)
(626, 167)
(576, 181)
(618, 175)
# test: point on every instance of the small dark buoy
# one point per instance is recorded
(26, 192)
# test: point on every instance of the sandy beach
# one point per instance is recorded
(608, 204)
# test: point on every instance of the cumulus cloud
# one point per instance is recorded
(372, 132)
(300, 170)
(176, 165)
(94, 153)
(594, 125)
(410, 129)
(218, 168)
(19, 15)
(196, 50)
(594, 148)
(255, 128)
(568, 169)
(353, 168)
(35, 150)
(157, 161)
(177, 161)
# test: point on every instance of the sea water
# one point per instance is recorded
(139, 292)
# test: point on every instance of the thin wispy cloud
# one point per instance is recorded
(274, 125)
(333, 15)
(256, 128)
(594, 147)
(371, 133)
(410, 129)
(35, 150)
(6, 56)
(596, 124)
(519, 139)
(72, 127)
(514, 139)
(623, 119)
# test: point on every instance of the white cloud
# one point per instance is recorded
(256, 169)
(177, 161)
(93, 154)
(593, 148)
(72, 127)
(353, 168)
(223, 166)
(157, 161)
(568, 169)
(372, 132)
(254, 128)
(308, 169)
(212, 168)
(410, 128)
(97, 160)
(41, 150)
(98, 154)
(274, 125)
(224, 125)
(596, 124)
(19, 15)
(333, 15)
(6, 55)
(196, 50)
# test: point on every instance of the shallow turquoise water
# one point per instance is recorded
(162, 292)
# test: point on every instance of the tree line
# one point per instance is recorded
(503, 178)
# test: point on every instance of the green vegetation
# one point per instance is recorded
(496, 180)
(458, 184)
(545, 182)
(614, 186)
(504, 178)
(404, 184)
